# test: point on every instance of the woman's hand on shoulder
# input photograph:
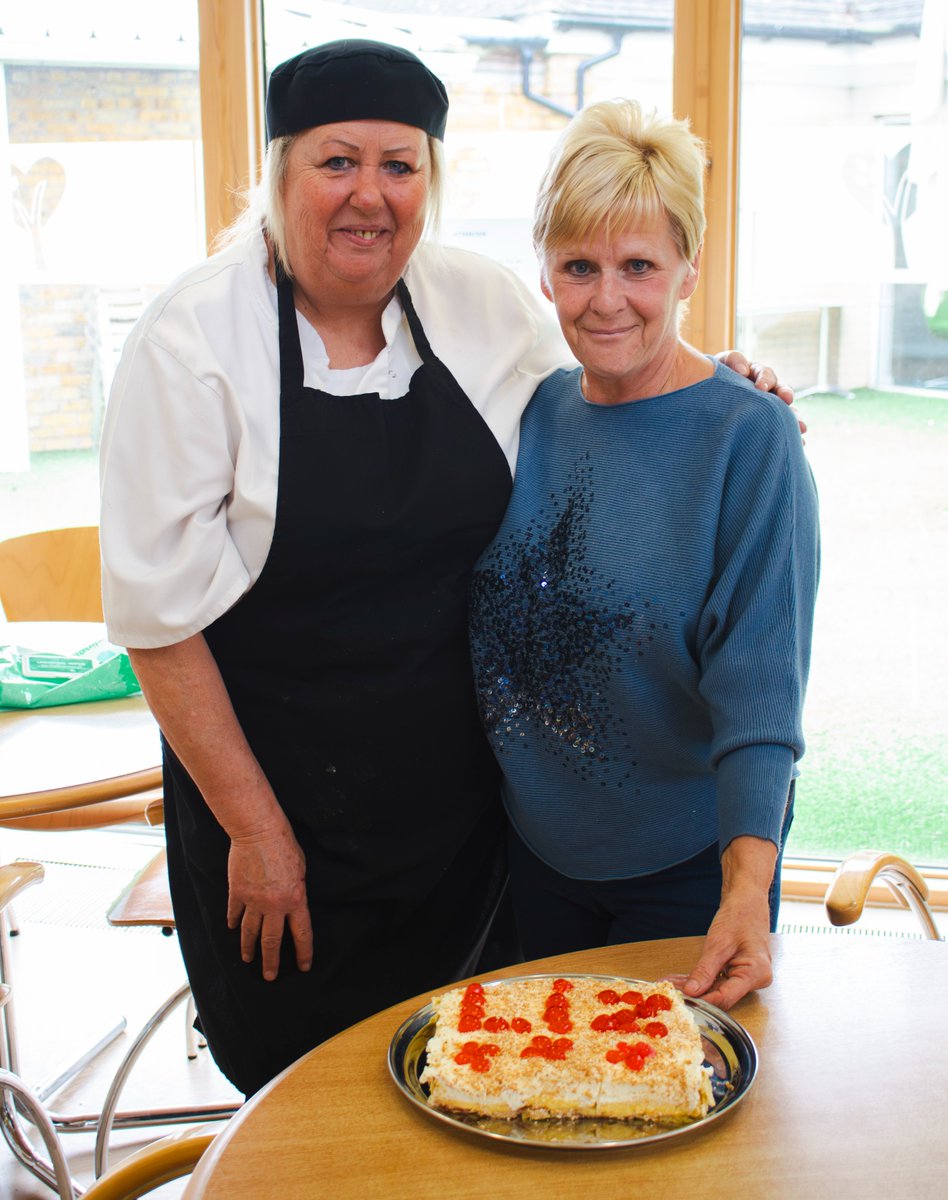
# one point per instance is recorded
(266, 874)
(764, 378)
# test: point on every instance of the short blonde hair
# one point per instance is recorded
(264, 203)
(615, 165)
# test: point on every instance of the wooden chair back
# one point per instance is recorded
(52, 576)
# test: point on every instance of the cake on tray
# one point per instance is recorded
(541, 1048)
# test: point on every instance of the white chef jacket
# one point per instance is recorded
(190, 445)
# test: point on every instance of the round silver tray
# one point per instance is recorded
(728, 1048)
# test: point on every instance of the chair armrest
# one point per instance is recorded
(54, 800)
(14, 877)
(151, 1166)
(155, 810)
(849, 889)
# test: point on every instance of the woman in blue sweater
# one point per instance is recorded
(642, 621)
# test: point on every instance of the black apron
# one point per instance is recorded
(348, 667)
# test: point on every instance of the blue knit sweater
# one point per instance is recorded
(641, 624)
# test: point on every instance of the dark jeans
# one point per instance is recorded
(556, 914)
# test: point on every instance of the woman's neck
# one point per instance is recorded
(351, 332)
(682, 368)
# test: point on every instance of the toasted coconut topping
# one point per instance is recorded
(574, 1047)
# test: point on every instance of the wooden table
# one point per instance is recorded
(850, 1100)
(46, 749)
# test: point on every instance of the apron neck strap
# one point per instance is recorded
(291, 354)
(420, 338)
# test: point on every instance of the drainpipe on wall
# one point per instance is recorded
(534, 48)
(527, 50)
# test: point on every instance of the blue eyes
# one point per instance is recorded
(339, 162)
(580, 269)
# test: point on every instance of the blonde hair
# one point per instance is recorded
(263, 204)
(614, 166)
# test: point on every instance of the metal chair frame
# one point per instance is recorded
(47, 805)
(57, 1168)
(15, 1095)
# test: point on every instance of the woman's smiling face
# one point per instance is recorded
(617, 302)
(355, 199)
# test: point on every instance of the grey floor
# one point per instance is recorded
(75, 976)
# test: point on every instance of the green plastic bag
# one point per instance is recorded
(38, 679)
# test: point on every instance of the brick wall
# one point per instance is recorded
(84, 104)
(47, 104)
(59, 363)
(494, 100)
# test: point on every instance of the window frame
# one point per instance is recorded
(706, 90)
(230, 50)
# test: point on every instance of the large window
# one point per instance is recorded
(100, 141)
(843, 286)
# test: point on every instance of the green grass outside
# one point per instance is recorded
(891, 797)
(876, 771)
(59, 489)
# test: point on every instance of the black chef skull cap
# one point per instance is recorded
(354, 80)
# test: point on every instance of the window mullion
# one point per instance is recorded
(706, 91)
(231, 105)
